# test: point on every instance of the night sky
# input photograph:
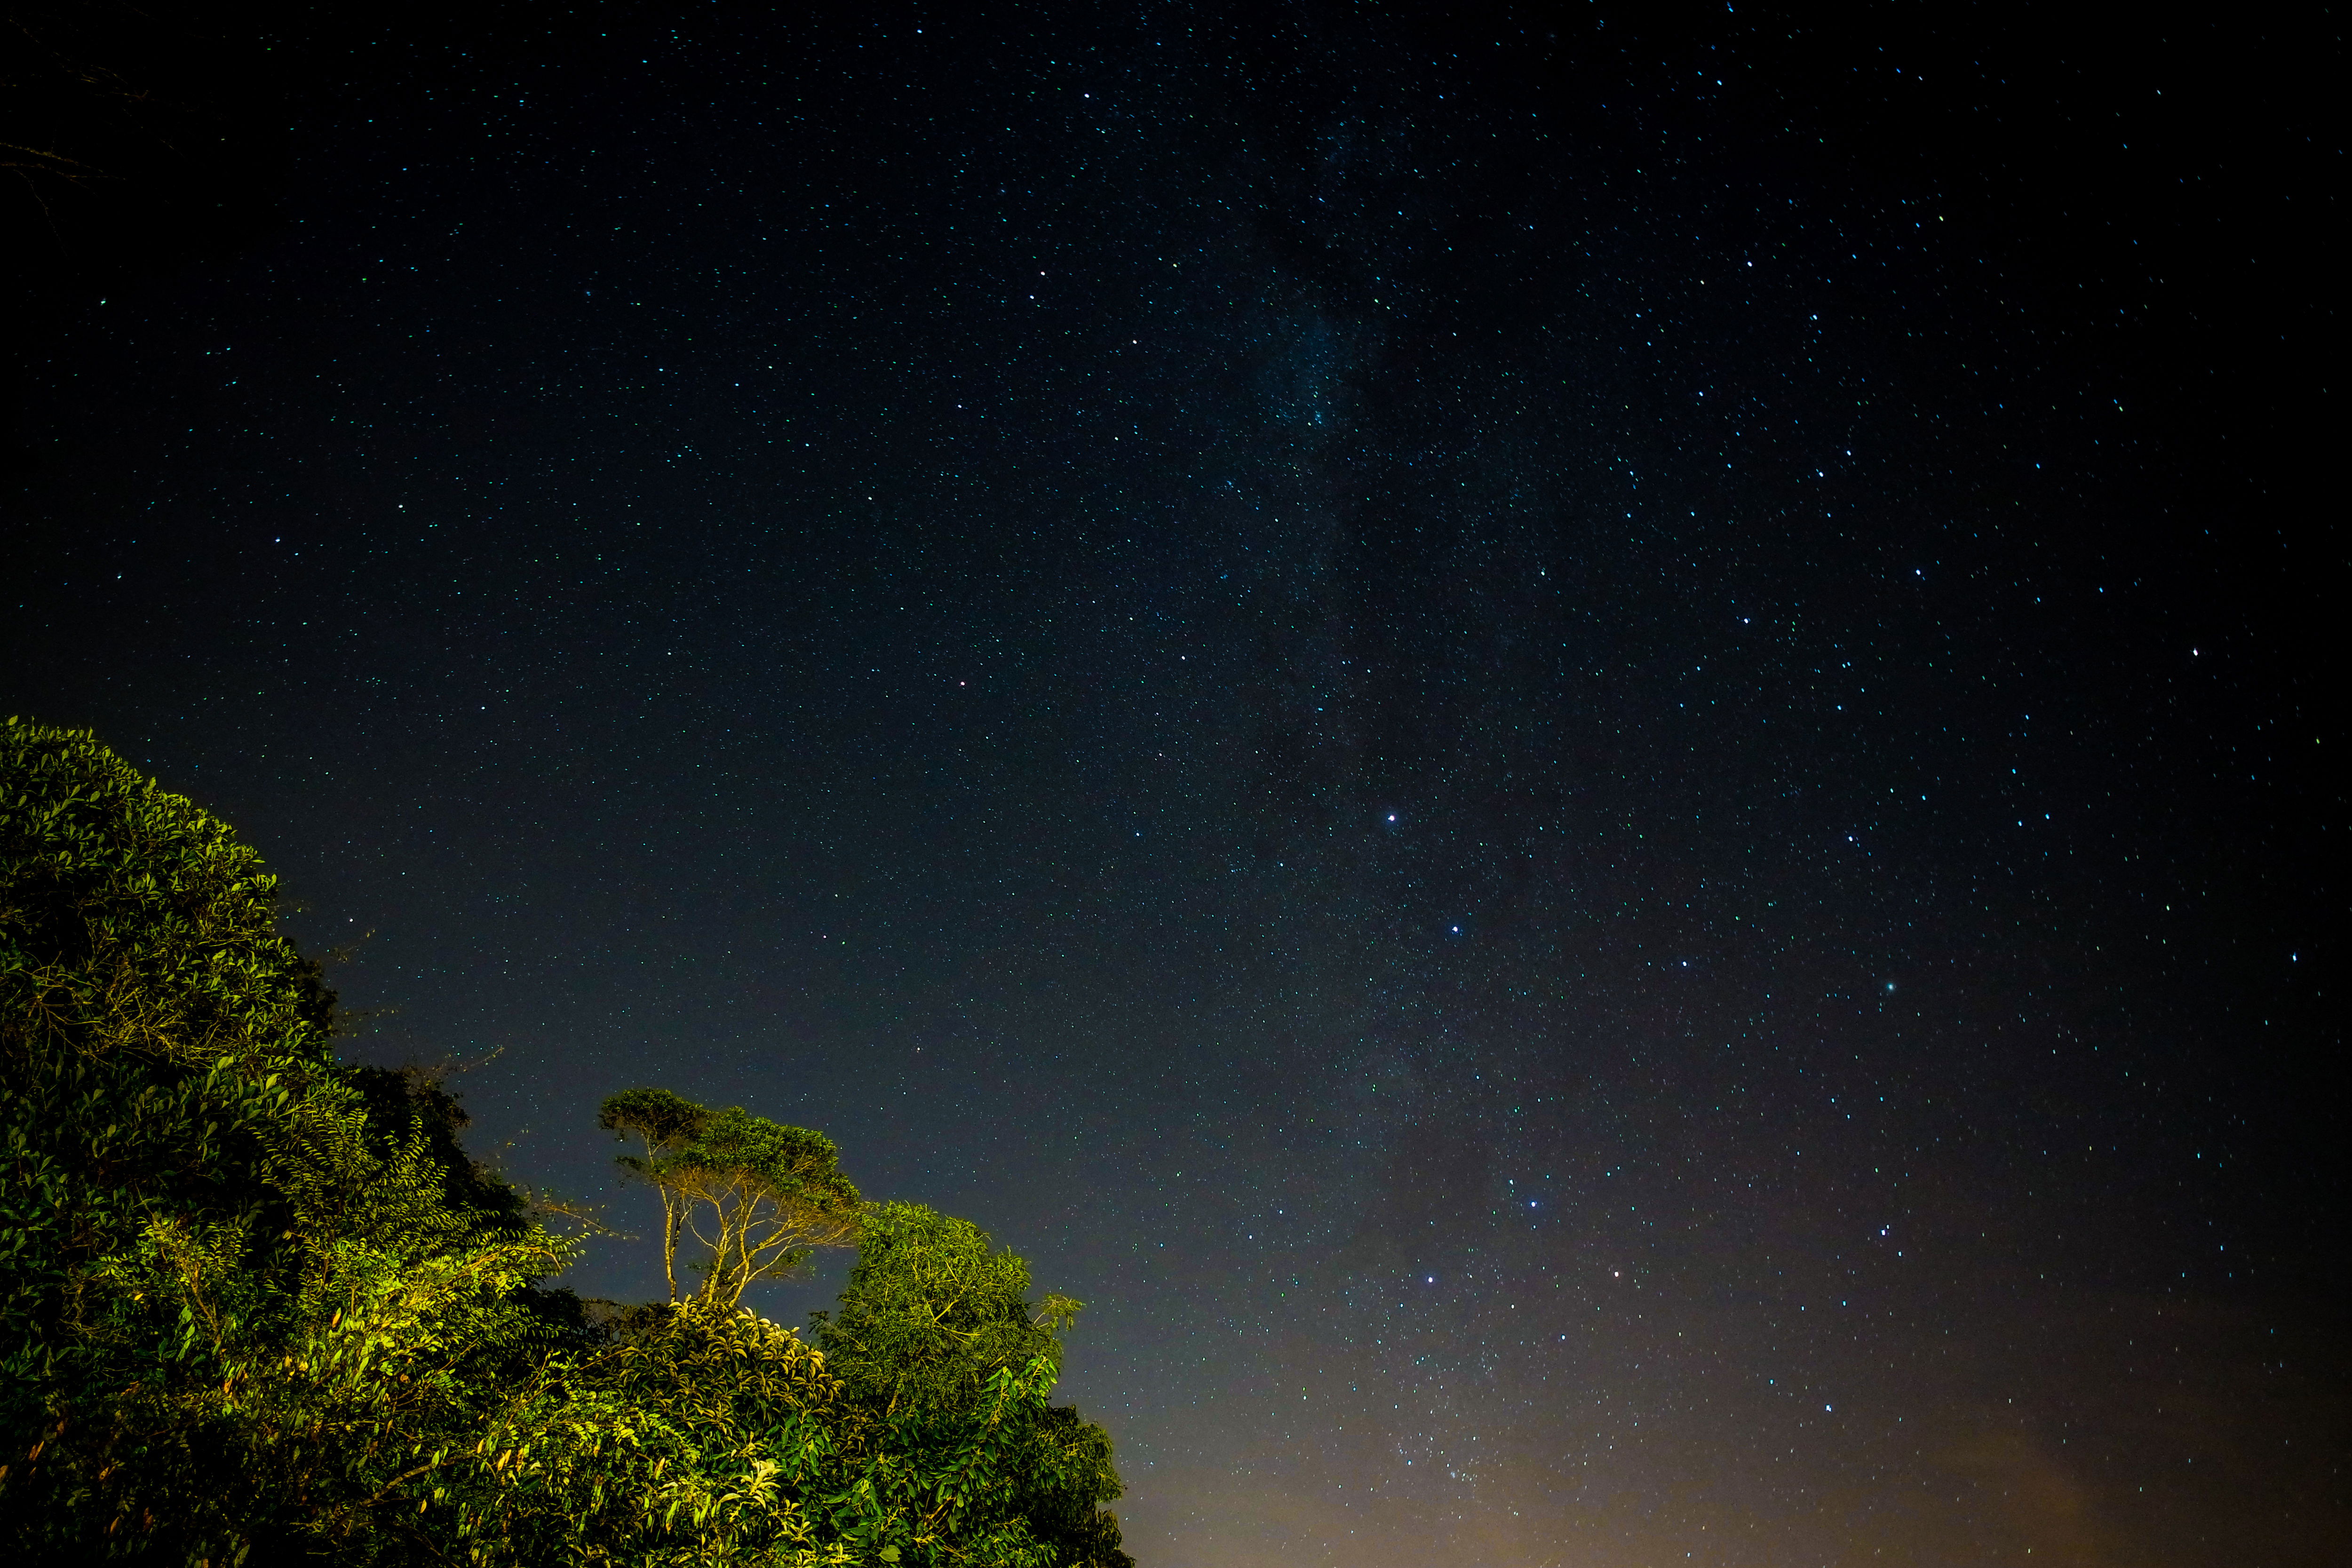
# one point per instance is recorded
(1590, 761)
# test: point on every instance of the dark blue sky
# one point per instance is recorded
(1589, 762)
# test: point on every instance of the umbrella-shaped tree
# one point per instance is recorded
(757, 1196)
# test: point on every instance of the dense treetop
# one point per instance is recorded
(260, 1305)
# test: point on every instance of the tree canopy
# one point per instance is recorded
(258, 1305)
(945, 1363)
(216, 1238)
(757, 1196)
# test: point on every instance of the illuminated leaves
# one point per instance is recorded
(256, 1304)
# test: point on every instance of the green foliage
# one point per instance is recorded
(154, 1033)
(758, 1196)
(153, 1026)
(945, 1367)
(677, 1440)
(255, 1305)
(930, 1314)
(243, 1284)
(666, 1121)
(306, 1404)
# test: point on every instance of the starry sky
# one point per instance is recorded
(1588, 757)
